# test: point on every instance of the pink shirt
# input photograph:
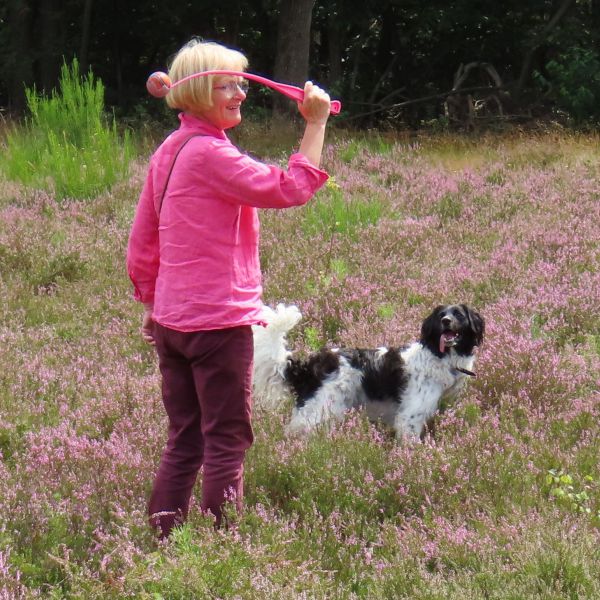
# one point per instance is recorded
(198, 262)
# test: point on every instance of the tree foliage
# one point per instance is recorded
(372, 54)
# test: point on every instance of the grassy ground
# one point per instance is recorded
(502, 503)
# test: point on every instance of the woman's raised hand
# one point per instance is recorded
(316, 105)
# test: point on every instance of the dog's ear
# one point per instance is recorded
(477, 324)
(430, 329)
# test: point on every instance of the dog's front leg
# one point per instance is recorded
(407, 431)
(419, 404)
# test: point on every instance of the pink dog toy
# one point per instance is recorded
(159, 84)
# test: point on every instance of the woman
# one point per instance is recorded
(193, 260)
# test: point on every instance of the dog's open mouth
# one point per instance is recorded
(447, 340)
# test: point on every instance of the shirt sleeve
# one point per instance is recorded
(143, 246)
(240, 179)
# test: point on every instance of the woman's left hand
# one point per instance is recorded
(316, 106)
(147, 328)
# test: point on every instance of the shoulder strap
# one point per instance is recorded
(162, 197)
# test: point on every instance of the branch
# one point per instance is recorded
(528, 61)
(391, 95)
(383, 76)
(429, 99)
(464, 71)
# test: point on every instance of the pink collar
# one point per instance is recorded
(192, 123)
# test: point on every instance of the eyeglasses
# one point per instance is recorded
(231, 87)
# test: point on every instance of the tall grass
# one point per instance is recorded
(67, 144)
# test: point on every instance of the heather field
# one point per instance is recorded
(502, 502)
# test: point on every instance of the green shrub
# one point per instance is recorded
(374, 144)
(332, 213)
(575, 83)
(67, 144)
(449, 208)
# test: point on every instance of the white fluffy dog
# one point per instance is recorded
(403, 387)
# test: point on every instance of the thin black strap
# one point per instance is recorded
(160, 203)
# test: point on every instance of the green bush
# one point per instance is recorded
(575, 83)
(332, 213)
(67, 145)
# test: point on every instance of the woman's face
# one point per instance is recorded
(228, 93)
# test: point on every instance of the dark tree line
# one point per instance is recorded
(381, 57)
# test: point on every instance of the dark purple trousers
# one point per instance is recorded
(206, 385)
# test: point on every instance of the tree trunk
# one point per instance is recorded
(85, 35)
(19, 68)
(595, 21)
(537, 42)
(51, 52)
(334, 50)
(356, 60)
(293, 46)
(232, 29)
(116, 53)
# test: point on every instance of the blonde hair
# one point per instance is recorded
(196, 94)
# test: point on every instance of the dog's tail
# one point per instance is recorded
(271, 355)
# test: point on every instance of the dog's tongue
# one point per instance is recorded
(447, 335)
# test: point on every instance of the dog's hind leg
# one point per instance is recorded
(321, 409)
(340, 392)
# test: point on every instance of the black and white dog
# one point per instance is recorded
(403, 387)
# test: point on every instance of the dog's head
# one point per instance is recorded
(452, 326)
